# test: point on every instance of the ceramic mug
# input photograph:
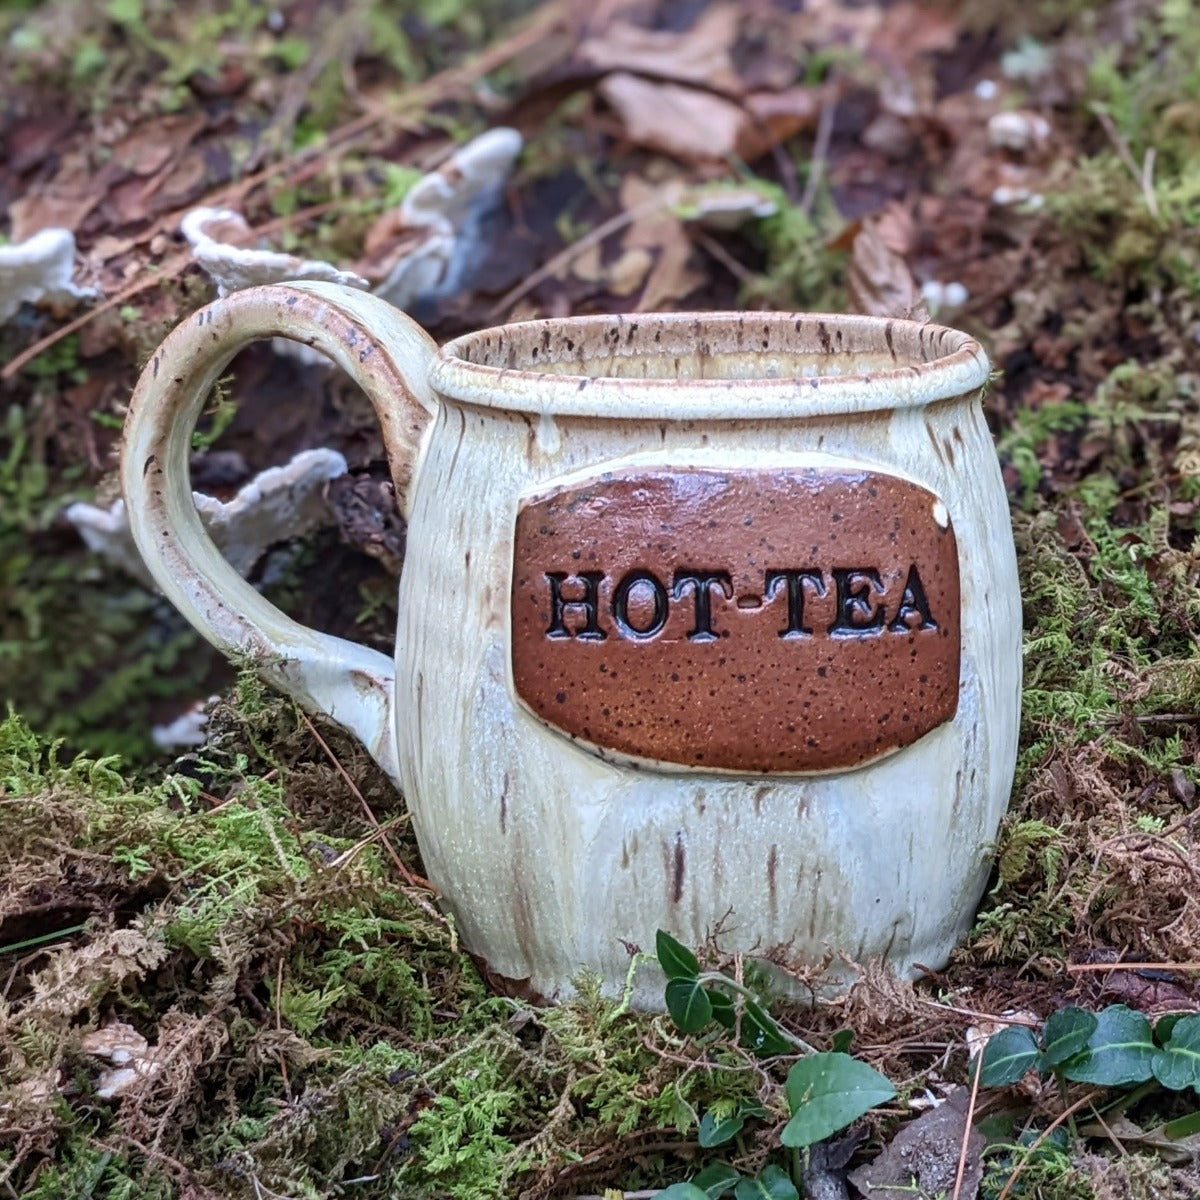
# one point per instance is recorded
(706, 620)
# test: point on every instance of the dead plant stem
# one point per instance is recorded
(961, 1173)
(1065, 1115)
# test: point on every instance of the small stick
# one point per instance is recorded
(1062, 1116)
(570, 253)
(820, 153)
(415, 881)
(1084, 968)
(1143, 176)
(960, 1174)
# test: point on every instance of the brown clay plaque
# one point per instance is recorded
(757, 621)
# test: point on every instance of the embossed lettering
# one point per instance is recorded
(620, 604)
(795, 581)
(590, 604)
(857, 612)
(913, 602)
(702, 582)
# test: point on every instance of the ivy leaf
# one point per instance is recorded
(1066, 1033)
(1007, 1056)
(773, 1184)
(675, 958)
(715, 1180)
(760, 1032)
(688, 1004)
(683, 1191)
(715, 1132)
(827, 1092)
(724, 1010)
(1177, 1064)
(1121, 1050)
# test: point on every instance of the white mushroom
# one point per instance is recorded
(39, 269)
(280, 503)
(233, 267)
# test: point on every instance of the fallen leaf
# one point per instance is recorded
(687, 123)
(65, 201)
(773, 117)
(880, 283)
(658, 231)
(698, 55)
(152, 145)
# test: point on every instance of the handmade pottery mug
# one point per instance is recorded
(705, 621)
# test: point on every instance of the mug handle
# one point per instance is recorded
(388, 355)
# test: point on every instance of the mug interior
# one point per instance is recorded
(619, 360)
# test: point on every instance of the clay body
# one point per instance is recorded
(809, 741)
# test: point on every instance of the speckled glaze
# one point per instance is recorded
(785, 536)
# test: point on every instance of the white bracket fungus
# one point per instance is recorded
(421, 249)
(39, 269)
(277, 504)
(233, 267)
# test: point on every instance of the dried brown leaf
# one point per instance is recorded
(698, 55)
(880, 283)
(659, 232)
(687, 123)
(773, 117)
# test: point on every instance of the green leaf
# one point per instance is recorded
(717, 1179)
(715, 1132)
(1121, 1050)
(1164, 1026)
(724, 1010)
(843, 1040)
(1007, 1056)
(683, 1191)
(1066, 1033)
(1177, 1064)
(688, 1004)
(1182, 1127)
(675, 958)
(827, 1092)
(761, 1034)
(773, 1184)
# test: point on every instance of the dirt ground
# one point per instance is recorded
(243, 926)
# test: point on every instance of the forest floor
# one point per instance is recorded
(247, 926)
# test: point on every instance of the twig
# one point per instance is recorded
(570, 253)
(1143, 176)
(816, 169)
(960, 1174)
(980, 1016)
(372, 820)
(711, 246)
(416, 881)
(1084, 968)
(1036, 1144)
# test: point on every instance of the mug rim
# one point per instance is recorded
(959, 367)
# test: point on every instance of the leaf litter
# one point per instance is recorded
(292, 1018)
